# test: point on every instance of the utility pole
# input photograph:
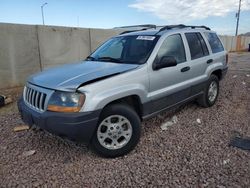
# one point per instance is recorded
(42, 11)
(238, 19)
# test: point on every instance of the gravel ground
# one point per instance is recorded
(187, 154)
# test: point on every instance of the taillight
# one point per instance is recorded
(227, 58)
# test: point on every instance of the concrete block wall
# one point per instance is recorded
(60, 45)
(18, 54)
(27, 49)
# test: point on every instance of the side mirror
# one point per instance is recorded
(166, 61)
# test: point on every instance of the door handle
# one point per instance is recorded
(185, 69)
(210, 61)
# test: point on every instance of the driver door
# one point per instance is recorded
(167, 85)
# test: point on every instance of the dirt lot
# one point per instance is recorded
(188, 154)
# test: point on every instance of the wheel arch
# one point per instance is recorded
(133, 101)
(217, 73)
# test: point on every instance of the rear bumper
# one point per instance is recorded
(75, 126)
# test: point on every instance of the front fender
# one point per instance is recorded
(100, 100)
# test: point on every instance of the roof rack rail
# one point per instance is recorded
(130, 31)
(199, 26)
(143, 27)
(181, 26)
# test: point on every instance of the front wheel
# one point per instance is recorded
(118, 131)
(211, 92)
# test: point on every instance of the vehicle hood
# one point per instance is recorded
(69, 77)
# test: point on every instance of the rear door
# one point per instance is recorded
(199, 60)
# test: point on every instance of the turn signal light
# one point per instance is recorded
(55, 108)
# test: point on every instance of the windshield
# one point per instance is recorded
(125, 49)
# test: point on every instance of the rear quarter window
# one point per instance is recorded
(214, 42)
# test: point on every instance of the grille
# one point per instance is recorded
(34, 98)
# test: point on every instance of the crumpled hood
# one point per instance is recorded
(69, 77)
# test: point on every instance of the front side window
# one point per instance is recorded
(125, 49)
(173, 46)
(196, 45)
(214, 42)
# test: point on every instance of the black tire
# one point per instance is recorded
(204, 99)
(121, 110)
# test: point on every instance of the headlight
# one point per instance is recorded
(66, 102)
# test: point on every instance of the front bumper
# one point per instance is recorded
(79, 126)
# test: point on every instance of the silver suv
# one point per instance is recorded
(133, 76)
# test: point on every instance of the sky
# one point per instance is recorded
(219, 15)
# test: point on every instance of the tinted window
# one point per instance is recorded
(214, 42)
(203, 44)
(115, 50)
(173, 46)
(196, 45)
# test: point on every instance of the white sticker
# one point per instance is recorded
(145, 38)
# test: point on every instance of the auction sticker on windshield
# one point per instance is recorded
(145, 38)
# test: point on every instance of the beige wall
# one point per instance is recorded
(26, 49)
(232, 43)
(60, 45)
(18, 54)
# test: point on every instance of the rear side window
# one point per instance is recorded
(197, 45)
(214, 42)
(173, 46)
(203, 44)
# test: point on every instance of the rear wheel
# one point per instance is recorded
(211, 92)
(118, 131)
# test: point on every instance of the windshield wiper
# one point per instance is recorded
(90, 58)
(111, 59)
